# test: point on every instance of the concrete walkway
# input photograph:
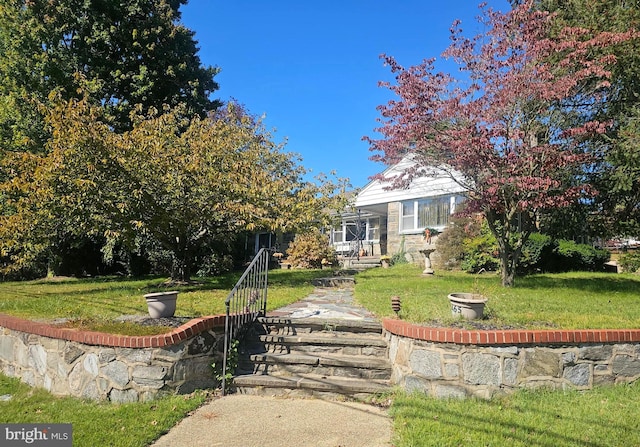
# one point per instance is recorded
(257, 421)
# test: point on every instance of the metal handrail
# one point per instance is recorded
(245, 303)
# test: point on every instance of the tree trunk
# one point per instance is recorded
(502, 229)
(181, 268)
(507, 270)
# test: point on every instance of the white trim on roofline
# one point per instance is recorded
(436, 182)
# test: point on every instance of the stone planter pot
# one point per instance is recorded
(385, 263)
(469, 306)
(161, 304)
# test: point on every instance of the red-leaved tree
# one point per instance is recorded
(513, 129)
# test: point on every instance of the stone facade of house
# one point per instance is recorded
(410, 244)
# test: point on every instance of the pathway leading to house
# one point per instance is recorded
(326, 303)
(262, 421)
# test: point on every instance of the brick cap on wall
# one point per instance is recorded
(179, 334)
(508, 337)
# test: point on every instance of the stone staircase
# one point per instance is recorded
(332, 359)
(362, 263)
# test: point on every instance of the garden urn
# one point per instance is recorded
(469, 306)
(161, 304)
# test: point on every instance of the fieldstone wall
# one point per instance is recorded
(443, 368)
(442, 362)
(119, 369)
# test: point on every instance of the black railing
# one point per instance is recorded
(357, 235)
(245, 303)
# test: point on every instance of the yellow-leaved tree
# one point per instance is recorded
(179, 180)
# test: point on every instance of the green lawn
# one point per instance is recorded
(580, 300)
(94, 302)
(606, 416)
(95, 424)
(577, 300)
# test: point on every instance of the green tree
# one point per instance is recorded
(616, 208)
(131, 53)
(181, 182)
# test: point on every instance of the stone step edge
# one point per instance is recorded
(329, 324)
(313, 382)
(334, 282)
(323, 340)
(362, 362)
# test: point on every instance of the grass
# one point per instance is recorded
(96, 424)
(577, 300)
(605, 416)
(94, 303)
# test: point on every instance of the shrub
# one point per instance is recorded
(309, 249)
(481, 252)
(450, 243)
(401, 256)
(573, 256)
(215, 264)
(468, 244)
(537, 252)
(478, 260)
(630, 261)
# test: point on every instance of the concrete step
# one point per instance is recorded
(334, 281)
(309, 385)
(288, 326)
(326, 365)
(313, 357)
(363, 263)
(323, 343)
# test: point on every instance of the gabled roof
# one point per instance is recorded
(435, 182)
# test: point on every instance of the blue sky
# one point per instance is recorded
(312, 68)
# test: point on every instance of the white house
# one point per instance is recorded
(389, 221)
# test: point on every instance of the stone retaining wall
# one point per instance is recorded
(441, 362)
(111, 367)
(446, 362)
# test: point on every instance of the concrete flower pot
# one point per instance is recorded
(469, 306)
(161, 304)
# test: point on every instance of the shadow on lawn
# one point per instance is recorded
(136, 285)
(511, 420)
(598, 283)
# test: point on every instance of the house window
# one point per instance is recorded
(408, 220)
(338, 234)
(433, 212)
